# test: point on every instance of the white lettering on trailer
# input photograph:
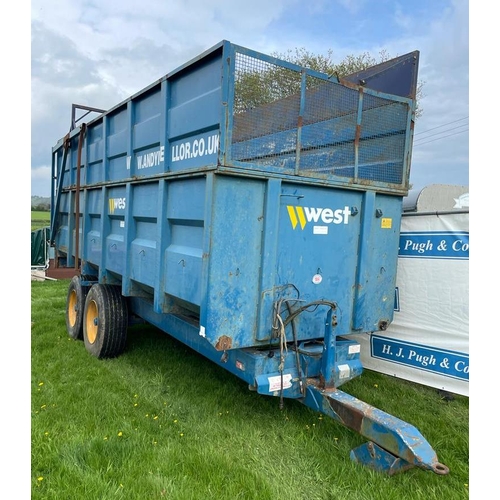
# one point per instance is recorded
(119, 203)
(116, 204)
(194, 149)
(152, 159)
(327, 215)
(324, 216)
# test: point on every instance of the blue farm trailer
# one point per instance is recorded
(250, 208)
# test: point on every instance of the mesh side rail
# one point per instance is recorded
(267, 113)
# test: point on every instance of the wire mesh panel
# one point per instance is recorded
(266, 109)
(289, 119)
(383, 139)
(329, 128)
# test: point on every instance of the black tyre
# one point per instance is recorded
(105, 321)
(75, 305)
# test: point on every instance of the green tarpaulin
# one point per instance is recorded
(39, 247)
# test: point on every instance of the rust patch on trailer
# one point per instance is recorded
(348, 84)
(350, 417)
(60, 273)
(224, 343)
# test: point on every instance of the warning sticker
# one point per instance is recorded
(275, 382)
(386, 223)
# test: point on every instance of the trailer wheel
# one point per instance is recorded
(105, 321)
(75, 305)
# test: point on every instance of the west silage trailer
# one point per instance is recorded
(250, 208)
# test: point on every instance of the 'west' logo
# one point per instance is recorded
(303, 215)
(116, 204)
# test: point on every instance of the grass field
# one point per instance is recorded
(161, 421)
(39, 219)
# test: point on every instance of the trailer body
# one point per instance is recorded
(250, 208)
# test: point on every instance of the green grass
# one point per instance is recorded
(161, 421)
(39, 219)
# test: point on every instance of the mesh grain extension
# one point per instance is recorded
(289, 119)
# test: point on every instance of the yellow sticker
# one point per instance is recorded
(386, 223)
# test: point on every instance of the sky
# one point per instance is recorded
(99, 53)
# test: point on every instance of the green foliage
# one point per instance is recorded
(161, 421)
(40, 203)
(268, 83)
(41, 208)
(325, 64)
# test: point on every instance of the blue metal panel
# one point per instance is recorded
(195, 98)
(116, 145)
(186, 117)
(235, 255)
(94, 144)
(194, 116)
(319, 236)
(397, 76)
(143, 242)
(376, 273)
(116, 167)
(147, 112)
(95, 154)
(92, 243)
(183, 255)
(114, 240)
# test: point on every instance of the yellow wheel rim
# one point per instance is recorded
(72, 304)
(91, 321)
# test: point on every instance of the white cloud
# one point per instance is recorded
(40, 181)
(353, 6)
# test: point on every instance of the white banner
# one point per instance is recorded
(428, 340)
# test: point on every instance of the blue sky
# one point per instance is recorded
(98, 53)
